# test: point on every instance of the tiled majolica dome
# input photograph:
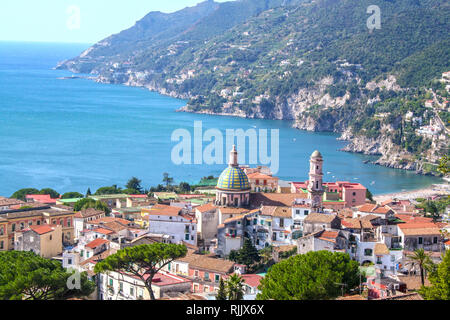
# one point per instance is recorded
(233, 178)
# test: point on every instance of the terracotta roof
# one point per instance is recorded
(43, 198)
(197, 261)
(329, 234)
(237, 218)
(90, 212)
(418, 229)
(275, 211)
(351, 223)
(355, 223)
(103, 231)
(320, 217)
(258, 175)
(43, 229)
(275, 199)
(206, 207)
(381, 249)
(96, 243)
(105, 220)
(252, 280)
(10, 202)
(115, 226)
(413, 219)
(370, 217)
(283, 212)
(374, 208)
(227, 210)
(162, 210)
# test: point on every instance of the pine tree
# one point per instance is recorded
(248, 255)
(221, 294)
(88, 192)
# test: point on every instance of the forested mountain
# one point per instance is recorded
(312, 61)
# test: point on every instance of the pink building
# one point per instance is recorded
(353, 194)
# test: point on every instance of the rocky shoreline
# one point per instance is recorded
(293, 109)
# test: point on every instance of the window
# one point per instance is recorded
(2, 231)
(1, 245)
(354, 193)
(420, 240)
(22, 226)
(207, 276)
(121, 287)
(30, 223)
(68, 222)
(392, 258)
(82, 253)
(306, 212)
(217, 278)
(69, 261)
(367, 252)
(196, 273)
(111, 281)
(435, 240)
(297, 211)
(13, 227)
(38, 222)
(281, 223)
(131, 291)
(186, 237)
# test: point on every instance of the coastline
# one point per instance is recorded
(433, 190)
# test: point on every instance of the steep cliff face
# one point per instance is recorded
(309, 61)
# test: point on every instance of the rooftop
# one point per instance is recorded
(208, 263)
(96, 243)
(320, 217)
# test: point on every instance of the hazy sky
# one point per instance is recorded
(84, 21)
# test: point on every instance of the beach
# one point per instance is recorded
(433, 190)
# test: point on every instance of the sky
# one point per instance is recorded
(76, 21)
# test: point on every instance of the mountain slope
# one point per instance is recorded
(312, 61)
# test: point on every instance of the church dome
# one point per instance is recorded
(316, 154)
(233, 178)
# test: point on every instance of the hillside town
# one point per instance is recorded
(247, 207)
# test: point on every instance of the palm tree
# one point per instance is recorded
(421, 258)
(235, 287)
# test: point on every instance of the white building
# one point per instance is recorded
(170, 221)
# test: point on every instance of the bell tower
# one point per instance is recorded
(315, 185)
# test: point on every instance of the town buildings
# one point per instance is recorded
(307, 216)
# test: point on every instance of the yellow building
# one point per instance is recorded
(65, 220)
(44, 240)
(3, 234)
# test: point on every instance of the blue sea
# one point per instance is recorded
(71, 135)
